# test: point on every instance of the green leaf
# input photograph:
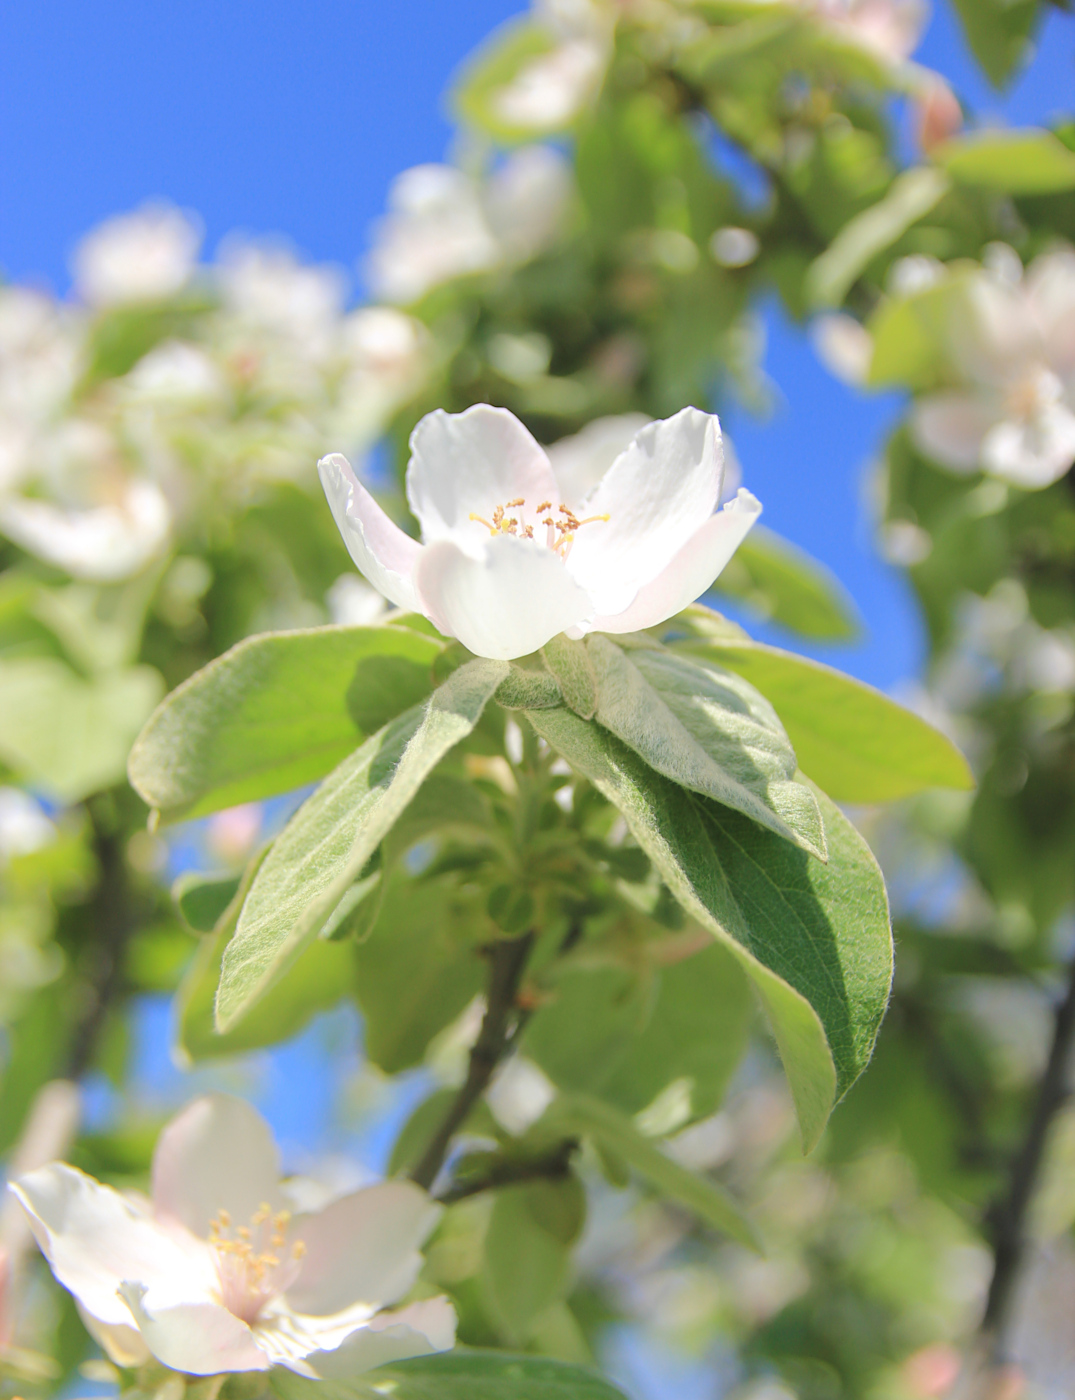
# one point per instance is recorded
(328, 841)
(783, 584)
(527, 1259)
(856, 743)
(911, 196)
(497, 62)
(68, 735)
(455, 1375)
(528, 690)
(706, 731)
(275, 712)
(997, 32)
(1015, 162)
(417, 970)
(570, 662)
(814, 939)
(322, 974)
(202, 899)
(582, 1115)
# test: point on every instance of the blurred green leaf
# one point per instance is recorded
(202, 899)
(784, 584)
(707, 731)
(456, 1375)
(275, 712)
(68, 735)
(997, 32)
(326, 844)
(814, 938)
(582, 1115)
(1016, 162)
(527, 1256)
(912, 195)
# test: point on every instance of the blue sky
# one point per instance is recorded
(273, 117)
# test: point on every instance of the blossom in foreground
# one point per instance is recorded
(1012, 344)
(517, 548)
(215, 1274)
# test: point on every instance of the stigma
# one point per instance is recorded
(559, 533)
(255, 1263)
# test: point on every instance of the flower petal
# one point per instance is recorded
(424, 1327)
(581, 460)
(121, 1342)
(383, 553)
(470, 463)
(94, 1239)
(202, 1339)
(506, 602)
(103, 543)
(950, 428)
(363, 1248)
(1032, 452)
(656, 495)
(692, 570)
(218, 1154)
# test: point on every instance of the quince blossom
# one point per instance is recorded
(216, 1274)
(1012, 343)
(517, 548)
(146, 255)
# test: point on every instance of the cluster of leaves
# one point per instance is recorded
(613, 842)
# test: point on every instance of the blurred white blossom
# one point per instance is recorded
(1011, 343)
(549, 91)
(147, 255)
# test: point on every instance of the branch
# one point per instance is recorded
(509, 1171)
(1006, 1220)
(500, 1028)
(113, 922)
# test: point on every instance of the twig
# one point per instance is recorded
(113, 923)
(1006, 1220)
(508, 1171)
(500, 1026)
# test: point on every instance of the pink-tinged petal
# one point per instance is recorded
(362, 1248)
(950, 428)
(1032, 452)
(121, 1342)
(218, 1154)
(418, 1330)
(581, 460)
(380, 549)
(505, 602)
(94, 1239)
(656, 495)
(202, 1339)
(691, 572)
(1051, 288)
(465, 464)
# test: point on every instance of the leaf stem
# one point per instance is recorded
(499, 1030)
(1006, 1220)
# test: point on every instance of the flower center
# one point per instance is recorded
(559, 534)
(1033, 392)
(253, 1263)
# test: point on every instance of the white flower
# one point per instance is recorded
(844, 346)
(215, 1275)
(144, 256)
(442, 224)
(890, 29)
(549, 91)
(352, 603)
(1012, 343)
(514, 551)
(102, 543)
(267, 287)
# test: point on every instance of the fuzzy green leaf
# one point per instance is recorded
(455, 1375)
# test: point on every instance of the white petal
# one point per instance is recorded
(383, 553)
(121, 1341)
(581, 460)
(218, 1154)
(692, 570)
(103, 543)
(1032, 452)
(656, 495)
(418, 1330)
(202, 1339)
(950, 428)
(94, 1239)
(506, 602)
(362, 1248)
(470, 463)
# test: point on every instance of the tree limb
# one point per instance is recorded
(500, 1028)
(511, 1171)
